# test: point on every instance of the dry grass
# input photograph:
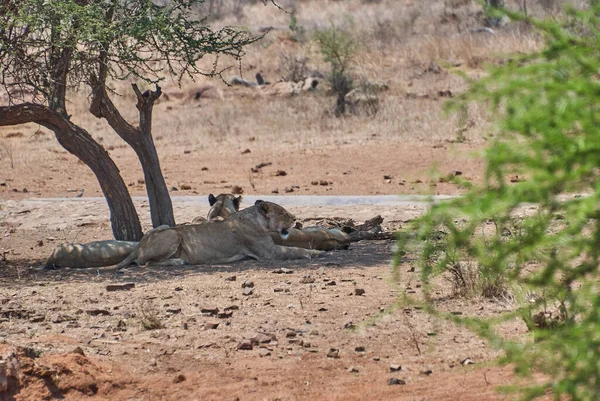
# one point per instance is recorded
(424, 34)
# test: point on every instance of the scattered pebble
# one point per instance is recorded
(120, 287)
(394, 367)
(248, 291)
(359, 291)
(333, 353)
(467, 361)
(245, 345)
(211, 325)
(395, 381)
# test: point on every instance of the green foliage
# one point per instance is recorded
(128, 38)
(298, 31)
(548, 108)
(338, 48)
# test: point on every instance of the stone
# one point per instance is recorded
(333, 353)
(359, 291)
(120, 287)
(394, 367)
(395, 381)
(245, 345)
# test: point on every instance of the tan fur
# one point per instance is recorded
(243, 235)
(314, 238)
(91, 254)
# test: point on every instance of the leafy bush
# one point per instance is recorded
(338, 48)
(548, 109)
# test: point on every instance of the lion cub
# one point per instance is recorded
(243, 235)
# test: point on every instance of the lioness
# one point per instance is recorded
(243, 235)
(221, 207)
(91, 254)
(111, 252)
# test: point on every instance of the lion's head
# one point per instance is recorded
(278, 219)
(222, 206)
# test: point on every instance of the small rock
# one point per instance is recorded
(78, 350)
(248, 284)
(360, 348)
(353, 369)
(349, 325)
(120, 287)
(56, 318)
(185, 187)
(187, 152)
(387, 177)
(174, 311)
(333, 353)
(98, 312)
(307, 280)
(185, 325)
(280, 173)
(232, 278)
(211, 325)
(330, 283)
(394, 367)
(40, 243)
(245, 152)
(457, 172)
(395, 381)
(178, 379)
(245, 345)
(225, 314)
(376, 358)
(264, 352)
(290, 334)
(178, 289)
(467, 361)
(209, 310)
(427, 372)
(248, 291)
(359, 291)
(283, 270)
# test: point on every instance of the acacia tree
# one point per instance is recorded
(50, 48)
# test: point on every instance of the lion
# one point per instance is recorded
(111, 252)
(243, 235)
(221, 207)
(91, 254)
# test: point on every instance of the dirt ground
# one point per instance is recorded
(183, 333)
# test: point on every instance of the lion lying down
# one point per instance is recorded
(107, 253)
(243, 235)
(111, 252)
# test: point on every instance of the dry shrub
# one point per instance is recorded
(149, 317)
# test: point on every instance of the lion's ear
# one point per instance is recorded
(263, 207)
(211, 199)
(258, 201)
(237, 202)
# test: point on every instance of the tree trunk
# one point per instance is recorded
(123, 216)
(140, 139)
